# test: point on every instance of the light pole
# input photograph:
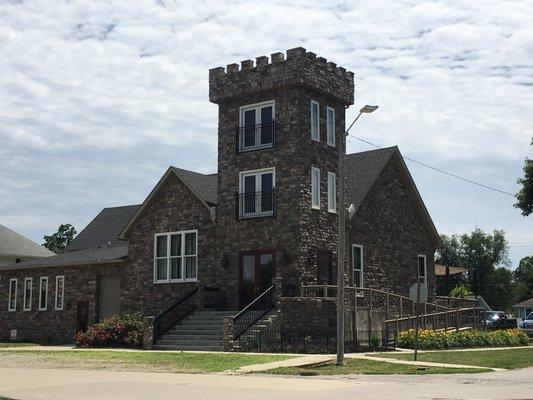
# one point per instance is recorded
(341, 241)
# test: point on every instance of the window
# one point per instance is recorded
(315, 188)
(256, 193)
(256, 126)
(60, 292)
(330, 124)
(357, 265)
(12, 303)
(176, 256)
(28, 283)
(315, 121)
(422, 268)
(332, 192)
(325, 267)
(43, 293)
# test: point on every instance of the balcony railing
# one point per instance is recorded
(255, 137)
(256, 204)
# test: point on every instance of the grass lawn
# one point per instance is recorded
(358, 366)
(17, 344)
(134, 360)
(509, 358)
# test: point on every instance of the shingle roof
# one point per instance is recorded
(85, 256)
(525, 303)
(362, 170)
(104, 229)
(14, 244)
(205, 186)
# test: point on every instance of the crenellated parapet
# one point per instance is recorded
(299, 68)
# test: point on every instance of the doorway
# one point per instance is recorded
(257, 268)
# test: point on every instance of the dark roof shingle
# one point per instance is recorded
(14, 244)
(205, 186)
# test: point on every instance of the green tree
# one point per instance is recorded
(523, 277)
(449, 255)
(59, 240)
(524, 196)
(500, 290)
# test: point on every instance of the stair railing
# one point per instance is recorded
(253, 312)
(175, 313)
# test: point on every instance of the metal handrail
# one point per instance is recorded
(257, 130)
(257, 198)
(249, 316)
(174, 314)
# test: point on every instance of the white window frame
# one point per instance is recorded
(332, 192)
(257, 107)
(423, 279)
(182, 256)
(12, 307)
(45, 279)
(315, 182)
(362, 270)
(26, 280)
(330, 135)
(315, 135)
(258, 188)
(58, 277)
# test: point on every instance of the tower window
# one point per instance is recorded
(330, 117)
(332, 192)
(315, 188)
(256, 128)
(315, 124)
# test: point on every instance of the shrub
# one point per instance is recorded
(437, 340)
(116, 331)
(460, 291)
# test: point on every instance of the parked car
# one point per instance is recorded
(499, 320)
(527, 324)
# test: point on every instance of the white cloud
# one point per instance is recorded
(105, 95)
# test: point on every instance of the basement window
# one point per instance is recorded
(176, 257)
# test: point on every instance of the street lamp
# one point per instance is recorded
(341, 238)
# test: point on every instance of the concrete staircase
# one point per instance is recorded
(267, 322)
(201, 330)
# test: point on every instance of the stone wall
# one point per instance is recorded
(55, 326)
(389, 227)
(174, 208)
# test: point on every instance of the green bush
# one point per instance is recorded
(116, 331)
(437, 340)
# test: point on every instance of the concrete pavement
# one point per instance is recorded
(56, 384)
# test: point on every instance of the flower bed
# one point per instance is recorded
(437, 340)
(116, 331)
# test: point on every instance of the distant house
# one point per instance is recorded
(524, 308)
(15, 248)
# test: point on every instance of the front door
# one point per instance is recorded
(109, 296)
(256, 272)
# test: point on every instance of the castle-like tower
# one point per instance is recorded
(280, 125)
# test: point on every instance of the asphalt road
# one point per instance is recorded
(44, 384)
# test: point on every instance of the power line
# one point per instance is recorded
(439, 170)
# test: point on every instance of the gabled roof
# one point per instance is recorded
(203, 186)
(14, 244)
(526, 303)
(363, 169)
(104, 229)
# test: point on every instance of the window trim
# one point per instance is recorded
(183, 256)
(317, 138)
(332, 142)
(257, 106)
(14, 308)
(26, 280)
(58, 277)
(43, 278)
(313, 205)
(362, 270)
(425, 278)
(256, 172)
(334, 176)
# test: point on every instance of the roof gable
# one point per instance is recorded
(14, 244)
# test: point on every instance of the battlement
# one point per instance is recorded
(299, 68)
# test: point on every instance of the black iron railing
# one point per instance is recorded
(256, 204)
(255, 137)
(253, 312)
(175, 313)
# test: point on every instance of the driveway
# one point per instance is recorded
(44, 384)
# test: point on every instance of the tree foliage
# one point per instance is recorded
(523, 277)
(524, 196)
(58, 241)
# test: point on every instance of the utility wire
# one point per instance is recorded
(439, 170)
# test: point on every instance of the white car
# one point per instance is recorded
(527, 324)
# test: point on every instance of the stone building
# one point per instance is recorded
(266, 222)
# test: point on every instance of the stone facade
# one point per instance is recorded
(50, 325)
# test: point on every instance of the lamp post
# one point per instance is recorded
(341, 236)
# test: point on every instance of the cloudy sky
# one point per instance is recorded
(98, 98)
